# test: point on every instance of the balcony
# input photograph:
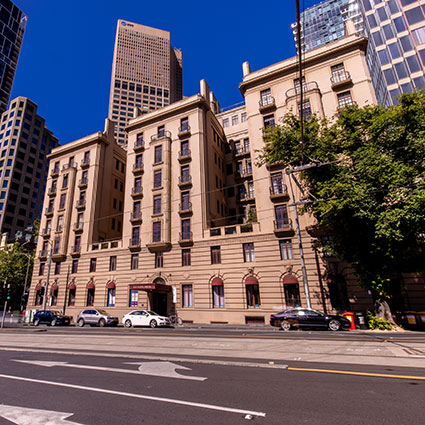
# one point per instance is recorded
(81, 203)
(45, 233)
(137, 192)
(71, 164)
(246, 197)
(83, 182)
(136, 217)
(244, 173)
(185, 238)
(134, 243)
(161, 136)
(184, 131)
(241, 151)
(78, 227)
(49, 211)
(43, 254)
(138, 167)
(139, 145)
(267, 103)
(185, 208)
(278, 191)
(307, 87)
(185, 181)
(160, 245)
(340, 79)
(283, 226)
(76, 251)
(55, 172)
(185, 155)
(52, 191)
(85, 162)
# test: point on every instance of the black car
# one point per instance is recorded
(52, 318)
(308, 318)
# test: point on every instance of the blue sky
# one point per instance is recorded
(66, 58)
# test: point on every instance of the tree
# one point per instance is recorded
(371, 195)
(13, 270)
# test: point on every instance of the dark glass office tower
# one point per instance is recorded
(12, 28)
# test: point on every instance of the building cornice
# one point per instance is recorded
(290, 65)
(171, 110)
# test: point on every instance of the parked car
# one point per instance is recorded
(50, 317)
(96, 317)
(308, 318)
(144, 318)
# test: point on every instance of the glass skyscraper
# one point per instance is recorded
(396, 49)
(12, 27)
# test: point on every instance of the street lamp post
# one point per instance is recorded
(26, 279)
(49, 265)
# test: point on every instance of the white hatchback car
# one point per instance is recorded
(144, 318)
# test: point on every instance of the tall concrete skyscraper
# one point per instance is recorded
(25, 143)
(12, 27)
(146, 73)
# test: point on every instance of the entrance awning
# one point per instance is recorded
(158, 287)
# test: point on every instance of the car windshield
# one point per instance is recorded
(103, 312)
(152, 313)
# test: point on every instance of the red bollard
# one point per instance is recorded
(350, 316)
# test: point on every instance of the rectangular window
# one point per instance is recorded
(344, 99)
(134, 262)
(158, 154)
(92, 268)
(215, 255)
(185, 227)
(74, 268)
(156, 231)
(134, 298)
(185, 199)
(159, 259)
(58, 267)
(185, 257)
(185, 176)
(184, 148)
(184, 124)
(248, 252)
(157, 204)
(269, 121)
(41, 269)
(235, 120)
(161, 131)
(157, 178)
(187, 299)
(285, 247)
(243, 117)
(62, 201)
(112, 263)
(281, 214)
(266, 97)
(225, 122)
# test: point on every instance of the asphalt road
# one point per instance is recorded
(268, 395)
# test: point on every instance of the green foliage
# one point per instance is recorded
(371, 194)
(374, 322)
(13, 268)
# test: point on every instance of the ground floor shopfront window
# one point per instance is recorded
(187, 300)
(54, 296)
(253, 296)
(134, 298)
(218, 296)
(90, 297)
(111, 297)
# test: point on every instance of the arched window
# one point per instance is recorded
(54, 295)
(111, 294)
(217, 292)
(71, 295)
(90, 294)
(252, 292)
(291, 289)
(39, 293)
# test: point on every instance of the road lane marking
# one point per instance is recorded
(163, 369)
(348, 372)
(139, 396)
(125, 355)
(27, 416)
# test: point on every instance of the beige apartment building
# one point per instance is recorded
(203, 230)
(146, 73)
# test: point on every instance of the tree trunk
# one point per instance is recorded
(382, 310)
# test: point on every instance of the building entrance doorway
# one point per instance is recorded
(159, 303)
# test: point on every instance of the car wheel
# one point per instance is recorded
(81, 323)
(54, 322)
(128, 323)
(285, 325)
(102, 323)
(36, 322)
(153, 324)
(334, 325)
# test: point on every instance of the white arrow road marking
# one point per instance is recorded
(25, 416)
(163, 369)
(139, 396)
